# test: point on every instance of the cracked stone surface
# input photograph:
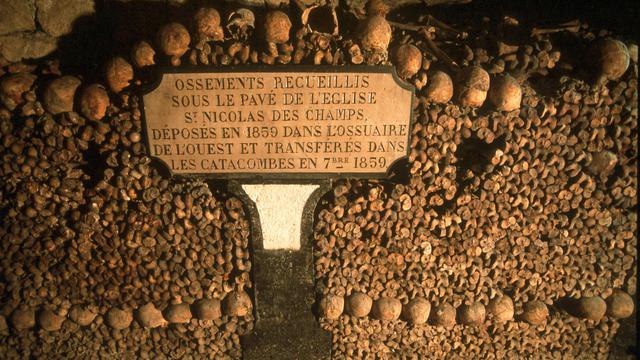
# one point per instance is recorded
(18, 46)
(17, 15)
(57, 16)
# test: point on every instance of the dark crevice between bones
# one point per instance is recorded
(94, 164)
(473, 154)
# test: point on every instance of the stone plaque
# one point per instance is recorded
(275, 123)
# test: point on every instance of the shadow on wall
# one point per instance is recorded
(116, 25)
(112, 30)
(625, 343)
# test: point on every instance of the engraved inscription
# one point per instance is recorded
(286, 122)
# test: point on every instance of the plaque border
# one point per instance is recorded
(273, 177)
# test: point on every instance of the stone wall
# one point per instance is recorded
(31, 28)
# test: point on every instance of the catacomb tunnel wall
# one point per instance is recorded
(525, 203)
